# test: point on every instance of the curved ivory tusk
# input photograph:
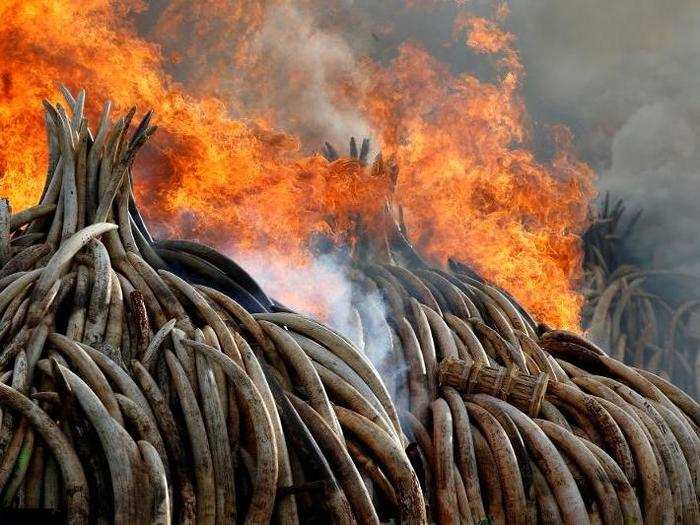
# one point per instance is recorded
(173, 442)
(160, 512)
(445, 493)
(74, 481)
(263, 496)
(306, 374)
(201, 455)
(91, 373)
(151, 354)
(59, 263)
(342, 349)
(120, 450)
(98, 306)
(586, 461)
(215, 422)
(335, 452)
(399, 470)
(562, 483)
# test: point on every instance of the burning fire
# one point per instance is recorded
(469, 186)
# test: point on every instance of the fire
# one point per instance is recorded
(469, 186)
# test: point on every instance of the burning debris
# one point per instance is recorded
(224, 77)
(154, 381)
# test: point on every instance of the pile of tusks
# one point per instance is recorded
(148, 381)
(646, 316)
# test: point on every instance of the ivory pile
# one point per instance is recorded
(522, 423)
(148, 381)
(133, 395)
(511, 420)
(646, 316)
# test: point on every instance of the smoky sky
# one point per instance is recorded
(625, 77)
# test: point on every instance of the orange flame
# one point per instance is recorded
(469, 186)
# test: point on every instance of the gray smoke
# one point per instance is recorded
(625, 77)
(300, 47)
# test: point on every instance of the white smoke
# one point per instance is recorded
(323, 289)
(298, 47)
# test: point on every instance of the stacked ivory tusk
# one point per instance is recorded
(510, 420)
(646, 316)
(148, 381)
(518, 423)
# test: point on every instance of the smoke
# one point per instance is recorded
(329, 294)
(624, 76)
(308, 63)
(288, 64)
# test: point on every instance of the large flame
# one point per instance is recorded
(469, 187)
